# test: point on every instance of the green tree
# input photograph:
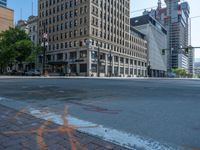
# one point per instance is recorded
(15, 47)
(35, 52)
(23, 50)
(7, 58)
(180, 72)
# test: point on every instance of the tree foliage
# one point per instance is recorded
(15, 48)
(180, 72)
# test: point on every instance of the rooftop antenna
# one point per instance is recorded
(20, 13)
(32, 8)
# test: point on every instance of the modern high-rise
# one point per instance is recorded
(82, 32)
(177, 23)
(156, 36)
(175, 17)
(3, 3)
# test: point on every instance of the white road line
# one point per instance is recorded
(118, 137)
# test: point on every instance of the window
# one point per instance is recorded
(72, 55)
(83, 54)
(83, 68)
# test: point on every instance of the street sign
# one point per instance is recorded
(46, 44)
(45, 36)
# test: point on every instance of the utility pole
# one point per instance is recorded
(20, 13)
(32, 8)
(98, 61)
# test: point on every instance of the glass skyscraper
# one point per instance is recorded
(3, 3)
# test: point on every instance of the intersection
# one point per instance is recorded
(164, 111)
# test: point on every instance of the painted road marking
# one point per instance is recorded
(121, 138)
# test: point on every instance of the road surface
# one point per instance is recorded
(166, 111)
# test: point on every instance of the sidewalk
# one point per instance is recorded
(83, 77)
(20, 131)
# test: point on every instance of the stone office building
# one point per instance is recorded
(30, 27)
(78, 29)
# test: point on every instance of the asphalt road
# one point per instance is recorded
(167, 111)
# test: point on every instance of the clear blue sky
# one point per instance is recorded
(26, 6)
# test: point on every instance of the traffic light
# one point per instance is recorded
(186, 50)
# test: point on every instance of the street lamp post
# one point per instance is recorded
(149, 69)
(98, 56)
(44, 49)
(98, 61)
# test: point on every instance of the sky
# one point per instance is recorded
(23, 9)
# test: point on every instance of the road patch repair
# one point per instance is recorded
(68, 124)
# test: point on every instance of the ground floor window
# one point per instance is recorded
(73, 68)
(102, 69)
(109, 69)
(135, 71)
(116, 71)
(139, 73)
(121, 70)
(94, 67)
(142, 72)
(83, 68)
(126, 71)
(131, 71)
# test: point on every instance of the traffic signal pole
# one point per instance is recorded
(98, 62)
(44, 52)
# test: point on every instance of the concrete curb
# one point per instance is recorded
(104, 78)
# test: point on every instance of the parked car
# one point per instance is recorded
(171, 75)
(33, 73)
(16, 73)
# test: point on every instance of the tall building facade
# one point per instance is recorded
(79, 30)
(177, 24)
(175, 17)
(6, 18)
(156, 36)
(3, 3)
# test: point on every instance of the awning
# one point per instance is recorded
(58, 63)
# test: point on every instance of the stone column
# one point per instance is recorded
(77, 64)
(129, 66)
(136, 67)
(119, 65)
(113, 64)
(89, 63)
(68, 60)
(106, 64)
(124, 67)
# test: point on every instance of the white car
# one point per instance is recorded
(33, 73)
